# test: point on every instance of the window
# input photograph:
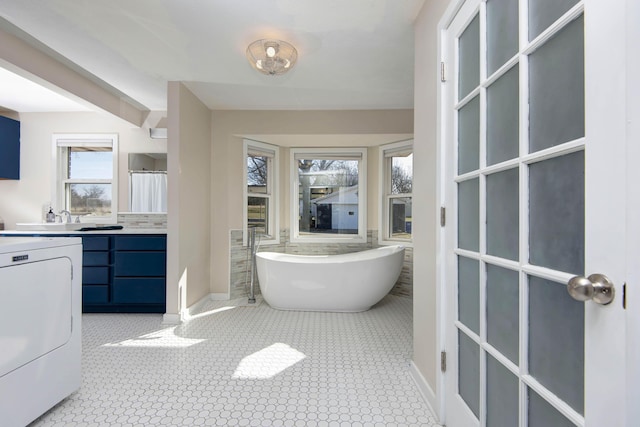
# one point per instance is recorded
(86, 176)
(397, 187)
(260, 174)
(329, 194)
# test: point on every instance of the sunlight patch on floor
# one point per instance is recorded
(268, 362)
(209, 312)
(165, 338)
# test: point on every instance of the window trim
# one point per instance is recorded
(384, 236)
(359, 154)
(60, 142)
(272, 191)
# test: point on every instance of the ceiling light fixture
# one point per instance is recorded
(272, 57)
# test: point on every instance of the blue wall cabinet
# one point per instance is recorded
(9, 148)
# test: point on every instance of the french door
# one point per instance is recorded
(534, 141)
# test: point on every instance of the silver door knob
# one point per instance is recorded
(596, 287)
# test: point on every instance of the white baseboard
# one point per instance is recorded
(170, 319)
(426, 390)
(195, 307)
(176, 319)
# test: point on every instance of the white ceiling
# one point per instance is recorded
(26, 96)
(353, 54)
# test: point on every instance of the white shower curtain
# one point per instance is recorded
(148, 192)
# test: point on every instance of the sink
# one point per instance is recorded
(51, 226)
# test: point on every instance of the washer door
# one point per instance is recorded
(35, 318)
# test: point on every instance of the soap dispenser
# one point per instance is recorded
(51, 217)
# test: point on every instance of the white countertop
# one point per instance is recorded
(125, 230)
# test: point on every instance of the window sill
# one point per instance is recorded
(336, 239)
(405, 243)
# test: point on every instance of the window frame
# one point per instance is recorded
(271, 195)
(60, 146)
(385, 171)
(359, 154)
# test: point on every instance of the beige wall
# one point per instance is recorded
(23, 200)
(425, 346)
(189, 199)
(287, 129)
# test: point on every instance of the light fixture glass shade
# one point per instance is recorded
(272, 57)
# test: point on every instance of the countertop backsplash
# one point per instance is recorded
(142, 220)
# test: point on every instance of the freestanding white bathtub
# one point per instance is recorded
(344, 283)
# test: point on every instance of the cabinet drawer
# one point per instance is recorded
(140, 263)
(139, 290)
(95, 294)
(95, 275)
(95, 243)
(95, 258)
(141, 243)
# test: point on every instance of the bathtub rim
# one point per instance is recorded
(367, 254)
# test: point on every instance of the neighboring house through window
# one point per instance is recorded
(397, 186)
(86, 176)
(260, 202)
(329, 194)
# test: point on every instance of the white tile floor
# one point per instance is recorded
(235, 365)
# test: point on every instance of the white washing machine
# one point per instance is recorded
(40, 325)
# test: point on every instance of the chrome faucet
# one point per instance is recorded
(68, 214)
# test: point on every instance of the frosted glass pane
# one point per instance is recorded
(556, 89)
(469, 136)
(556, 341)
(502, 395)
(503, 106)
(502, 311)
(469, 372)
(502, 32)
(469, 55)
(469, 215)
(469, 293)
(543, 13)
(556, 213)
(502, 214)
(542, 414)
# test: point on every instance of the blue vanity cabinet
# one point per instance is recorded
(96, 272)
(140, 272)
(9, 148)
(121, 273)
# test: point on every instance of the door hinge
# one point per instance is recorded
(624, 296)
(442, 75)
(443, 216)
(443, 361)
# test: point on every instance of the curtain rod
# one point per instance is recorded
(130, 172)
